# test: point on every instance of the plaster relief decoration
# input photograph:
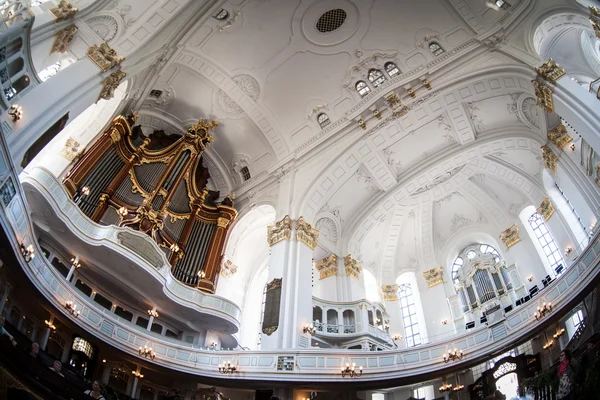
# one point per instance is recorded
(392, 161)
(71, 150)
(110, 84)
(530, 112)
(363, 177)
(327, 229)
(549, 158)
(546, 209)
(434, 276)
(510, 237)
(247, 84)
(473, 111)
(327, 267)
(559, 136)
(306, 234)
(550, 71)
(143, 246)
(447, 129)
(64, 11)
(438, 180)
(63, 39)
(389, 292)
(166, 97)
(543, 93)
(104, 56)
(228, 268)
(353, 267)
(359, 69)
(105, 26)
(282, 230)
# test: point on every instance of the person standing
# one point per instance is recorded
(566, 375)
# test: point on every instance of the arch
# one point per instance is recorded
(376, 77)
(411, 309)
(317, 315)
(542, 239)
(332, 321)
(436, 49)
(391, 69)
(252, 312)
(552, 23)
(328, 229)
(362, 88)
(323, 120)
(349, 321)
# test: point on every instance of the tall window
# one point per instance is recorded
(376, 77)
(436, 49)
(362, 88)
(391, 69)
(459, 262)
(323, 120)
(412, 332)
(546, 241)
(245, 173)
(419, 393)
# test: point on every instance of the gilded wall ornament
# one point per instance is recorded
(63, 11)
(550, 71)
(543, 94)
(353, 267)
(546, 209)
(63, 39)
(434, 276)
(559, 136)
(306, 234)
(228, 268)
(362, 124)
(282, 230)
(510, 237)
(549, 158)
(595, 20)
(389, 292)
(104, 56)
(222, 222)
(327, 267)
(71, 150)
(111, 83)
(392, 101)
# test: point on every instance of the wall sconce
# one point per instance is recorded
(50, 325)
(147, 352)
(427, 84)
(559, 333)
(568, 251)
(444, 322)
(458, 388)
(411, 93)
(122, 211)
(445, 387)
(541, 312)
(72, 308)
(453, 355)
(227, 368)
(153, 313)
(214, 345)
(530, 278)
(362, 124)
(377, 113)
(309, 329)
(548, 344)
(351, 370)
(137, 374)
(16, 112)
(592, 226)
(572, 146)
(27, 252)
(397, 338)
(75, 262)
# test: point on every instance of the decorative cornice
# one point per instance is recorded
(282, 230)
(306, 234)
(510, 236)
(110, 84)
(63, 11)
(546, 209)
(559, 136)
(353, 267)
(549, 158)
(543, 93)
(389, 292)
(550, 71)
(104, 56)
(63, 39)
(327, 267)
(434, 276)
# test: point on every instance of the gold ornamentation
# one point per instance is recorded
(282, 230)
(595, 20)
(306, 234)
(353, 267)
(543, 93)
(111, 83)
(389, 292)
(546, 209)
(550, 71)
(327, 267)
(228, 268)
(64, 11)
(510, 237)
(201, 130)
(434, 276)
(133, 115)
(411, 93)
(559, 136)
(63, 39)
(400, 112)
(115, 135)
(71, 149)
(362, 124)
(377, 113)
(427, 84)
(392, 101)
(222, 222)
(549, 158)
(104, 56)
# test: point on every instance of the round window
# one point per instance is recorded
(331, 20)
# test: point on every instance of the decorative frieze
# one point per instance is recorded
(327, 267)
(282, 230)
(110, 84)
(104, 56)
(510, 237)
(353, 267)
(228, 268)
(434, 276)
(71, 150)
(63, 39)
(546, 210)
(389, 292)
(549, 158)
(306, 234)
(559, 136)
(543, 93)
(63, 11)
(550, 71)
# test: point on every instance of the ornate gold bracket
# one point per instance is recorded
(389, 292)
(327, 267)
(595, 20)
(353, 267)
(559, 136)
(549, 158)
(510, 237)
(104, 56)
(306, 234)
(550, 71)
(282, 230)
(434, 276)
(64, 11)
(63, 39)
(111, 83)
(546, 210)
(543, 93)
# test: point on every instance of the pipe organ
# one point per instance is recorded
(157, 185)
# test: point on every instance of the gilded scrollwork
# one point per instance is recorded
(104, 56)
(549, 158)
(63, 39)
(559, 136)
(71, 150)
(306, 234)
(228, 268)
(510, 236)
(389, 292)
(543, 93)
(222, 222)
(64, 10)
(282, 230)
(110, 84)
(550, 71)
(353, 267)
(434, 276)
(546, 209)
(327, 267)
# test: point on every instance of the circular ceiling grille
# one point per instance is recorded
(331, 20)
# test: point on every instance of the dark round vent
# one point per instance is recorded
(331, 20)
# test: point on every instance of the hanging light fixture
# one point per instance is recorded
(72, 308)
(453, 355)
(147, 352)
(542, 311)
(227, 368)
(350, 370)
(28, 252)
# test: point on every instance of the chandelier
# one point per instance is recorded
(350, 370)
(227, 368)
(548, 344)
(445, 387)
(137, 374)
(309, 329)
(147, 352)
(542, 311)
(559, 333)
(153, 313)
(28, 252)
(72, 308)
(453, 355)
(458, 388)
(50, 325)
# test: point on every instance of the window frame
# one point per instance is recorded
(364, 89)
(408, 311)
(546, 241)
(436, 49)
(376, 77)
(390, 71)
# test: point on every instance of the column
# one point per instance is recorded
(45, 336)
(136, 380)
(65, 354)
(105, 373)
(33, 333)
(151, 319)
(74, 265)
(394, 310)
(5, 294)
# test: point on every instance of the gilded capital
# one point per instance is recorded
(327, 267)
(282, 230)
(389, 292)
(222, 222)
(353, 267)
(559, 136)
(63, 39)
(549, 158)
(510, 236)
(104, 56)
(550, 71)
(306, 234)
(434, 276)
(63, 11)
(543, 93)
(546, 209)
(111, 83)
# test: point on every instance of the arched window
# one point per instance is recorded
(323, 120)
(459, 262)
(412, 332)
(546, 241)
(376, 77)
(391, 69)
(362, 88)
(436, 49)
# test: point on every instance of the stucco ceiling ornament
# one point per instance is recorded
(510, 236)
(530, 111)
(434, 276)
(327, 229)
(63, 39)
(71, 150)
(389, 292)
(63, 11)
(110, 84)
(306, 234)
(104, 25)
(327, 267)
(104, 56)
(546, 209)
(353, 267)
(549, 158)
(438, 180)
(280, 231)
(228, 268)
(550, 71)
(543, 94)
(559, 136)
